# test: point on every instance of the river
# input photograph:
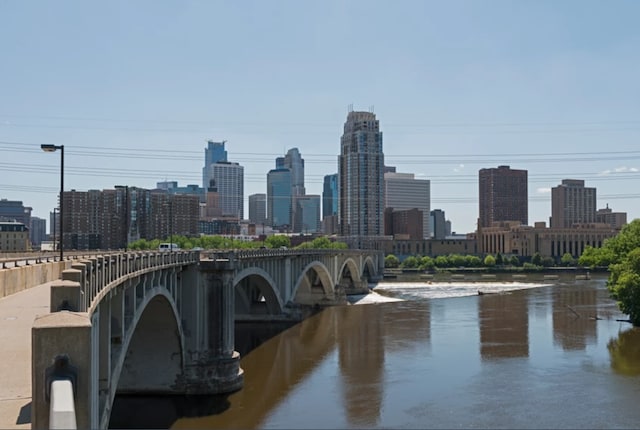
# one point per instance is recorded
(547, 354)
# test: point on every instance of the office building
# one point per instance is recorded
(279, 199)
(308, 214)
(502, 196)
(229, 179)
(258, 208)
(438, 224)
(404, 223)
(402, 191)
(14, 237)
(572, 203)
(361, 180)
(14, 210)
(37, 231)
(173, 188)
(295, 163)
(330, 196)
(616, 220)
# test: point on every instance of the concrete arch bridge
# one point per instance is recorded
(163, 322)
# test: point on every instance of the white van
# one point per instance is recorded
(169, 247)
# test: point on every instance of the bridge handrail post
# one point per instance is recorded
(54, 335)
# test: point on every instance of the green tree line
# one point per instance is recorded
(223, 242)
(621, 255)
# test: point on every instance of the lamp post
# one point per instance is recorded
(54, 148)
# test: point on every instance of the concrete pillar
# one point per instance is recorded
(66, 295)
(214, 367)
(53, 335)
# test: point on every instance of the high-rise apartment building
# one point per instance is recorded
(279, 198)
(258, 208)
(572, 203)
(503, 196)
(361, 180)
(403, 191)
(330, 196)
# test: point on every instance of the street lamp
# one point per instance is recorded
(54, 148)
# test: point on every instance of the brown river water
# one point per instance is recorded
(546, 354)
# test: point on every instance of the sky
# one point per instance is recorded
(134, 89)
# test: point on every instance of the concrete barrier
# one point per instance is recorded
(16, 279)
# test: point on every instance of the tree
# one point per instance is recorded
(623, 254)
(624, 285)
(391, 261)
(536, 259)
(567, 260)
(277, 241)
(499, 259)
(441, 261)
(410, 262)
(514, 261)
(489, 261)
(426, 263)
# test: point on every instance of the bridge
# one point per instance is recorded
(163, 322)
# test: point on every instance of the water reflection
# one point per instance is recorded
(438, 363)
(574, 323)
(361, 359)
(625, 352)
(504, 325)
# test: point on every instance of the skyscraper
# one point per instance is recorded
(213, 153)
(571, 203)
(295, 163)
(330, 196)
(258, 208)
(503, 196)
(404, 191)
(228, 178)
(279, 198)
(438, 224)
(360, 170)
(308, 213)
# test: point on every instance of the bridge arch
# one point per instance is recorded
(256, 292)
(368, 269)
(349, 273)
(151, 356)
(314, 280)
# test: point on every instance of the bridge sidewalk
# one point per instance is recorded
(17, 313)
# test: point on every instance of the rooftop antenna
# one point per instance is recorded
(371, 108)
(350, 107)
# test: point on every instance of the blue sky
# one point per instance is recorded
(134, 89)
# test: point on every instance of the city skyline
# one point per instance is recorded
(135, 91)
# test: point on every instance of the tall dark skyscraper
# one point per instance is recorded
(360, 171)
(503, 196)
(330, 195)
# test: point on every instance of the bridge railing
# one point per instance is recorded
(241, 254)
(98, 272)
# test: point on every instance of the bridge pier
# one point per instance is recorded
(211, 364)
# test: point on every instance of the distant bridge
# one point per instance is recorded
(163, 322)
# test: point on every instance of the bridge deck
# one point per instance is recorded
(17, 313)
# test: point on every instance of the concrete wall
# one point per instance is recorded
(21, 278)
